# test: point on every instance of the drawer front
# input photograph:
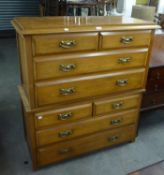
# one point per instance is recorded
(154, 99)
(81, 87)
(125, 39)
(61, 43)
(155, 85)
(63, 115)
(69, 149)
(156, 73)
(105, 106)
(75, 64)
(66, 132)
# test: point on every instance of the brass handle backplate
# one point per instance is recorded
(158, 75)
(67, 91)
(124, 60)
(65, 116)
(116, 122)
(126, 40)
(113, 138)
(67, 67)
(121, 82)
(117, 105)
(64, 134)
(67, 44)
(65, 150)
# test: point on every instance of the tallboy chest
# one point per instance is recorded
(82, 83)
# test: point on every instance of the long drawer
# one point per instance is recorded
(88, 86)
(64, 43)
(48, 67)
(156, 73)
(69, 149)
(155, 85)
(153, 100)
(63, 115)
(111, 40)
(110, 105)
(86, 127)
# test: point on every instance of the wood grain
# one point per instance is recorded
(50, 44)
(49, 92)
(111, 40)
(82, 82)
(49, 25)
(109, 105)
(73, 113)
(55, 153)
(51, 135)
(49, 67)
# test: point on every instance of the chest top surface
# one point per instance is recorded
(43, 25)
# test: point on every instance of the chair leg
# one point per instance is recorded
(78, 11)
(89, 11)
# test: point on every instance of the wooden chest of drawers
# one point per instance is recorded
(82, 82)
(154, 96)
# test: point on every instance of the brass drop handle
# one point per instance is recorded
(117, 105)
(156, 87)
(65, 116)
(64, 134)
(153, 102)
(65, 150)
(116, 122)
(158, 75)
(124, 60)
(126, 40)
(113, 138)
(67, 91)
(67, 67)
(67, 44)
(121, 82)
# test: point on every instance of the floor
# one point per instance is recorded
(14, 155)
(155, 169)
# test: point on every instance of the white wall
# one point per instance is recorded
(128, 7)
(161, 6)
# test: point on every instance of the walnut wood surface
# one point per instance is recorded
(153, 100)
(154, 97)
(111, 40)
(48, 67)
(49, 92)
(45, 25)
(51, 118)
(55, 153)
(105, 106)
(156, 59)
(74, 89)
(49, 44)
(51, 135)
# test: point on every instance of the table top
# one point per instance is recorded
(39, 25)
(157, 55)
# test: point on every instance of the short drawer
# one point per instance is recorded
(108, 105)
(61, 43)
(49, 67)
(70, 149)
(89, 126)
(125, 39)
(63, 115)
(156, 73)
(153, 100)
(155, 85)
(88, 86)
